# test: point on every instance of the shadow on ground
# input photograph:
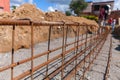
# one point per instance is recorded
(118, 48)
(115, 36)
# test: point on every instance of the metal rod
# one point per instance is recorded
(77, 39)
(49, 37)
(85, 54)
(32, 49)
(108, 61)
(75, 51)
(40, 23)
(37, 56)
(96, 40)
(12, 57)
(73, 59)
(63, 50)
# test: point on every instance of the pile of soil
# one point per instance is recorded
(82, 20)
(28, 11)
(56, 16)
(5, 15)
(23, 33)
(59, 16)
(58, 30)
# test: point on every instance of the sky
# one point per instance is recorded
(51, 5)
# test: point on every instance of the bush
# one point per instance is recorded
(91, 17)
(68, 13)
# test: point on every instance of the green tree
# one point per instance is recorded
(77, 6)
(13, 7)
(68, 13)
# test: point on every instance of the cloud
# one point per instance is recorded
(59, 1)
(117, 5)
(19, 2)
(30, 1)
(101, 0)
(16, 2)
(51, 9)
(59, 7)
(62, 7)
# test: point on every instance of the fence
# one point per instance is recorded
(65, 64)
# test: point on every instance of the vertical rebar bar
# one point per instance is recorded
(85, 54)
(77, 36)
(66, 37)
(32, 49)
(75, 51)
(82, 41)
(63, 50)
(66, 40)
(12, 57)
(49, 37)
(90, 48)
(96, 41)
(108, 62)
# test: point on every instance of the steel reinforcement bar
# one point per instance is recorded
(108, 61)
(82, 47)
(96, 49)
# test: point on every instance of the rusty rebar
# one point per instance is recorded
(27, 22)
(37, 56)
(12, 57)
(32, 49)
(75, 51)
(84, 41)
(63, 50)
(108, 61)
(49, 37)
(80, 64)
(68, 62)
(84, 67)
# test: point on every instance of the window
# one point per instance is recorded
(96, 7)
(1, 8)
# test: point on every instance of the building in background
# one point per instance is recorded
(94, 7)
(108, 5)
(5, 5)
